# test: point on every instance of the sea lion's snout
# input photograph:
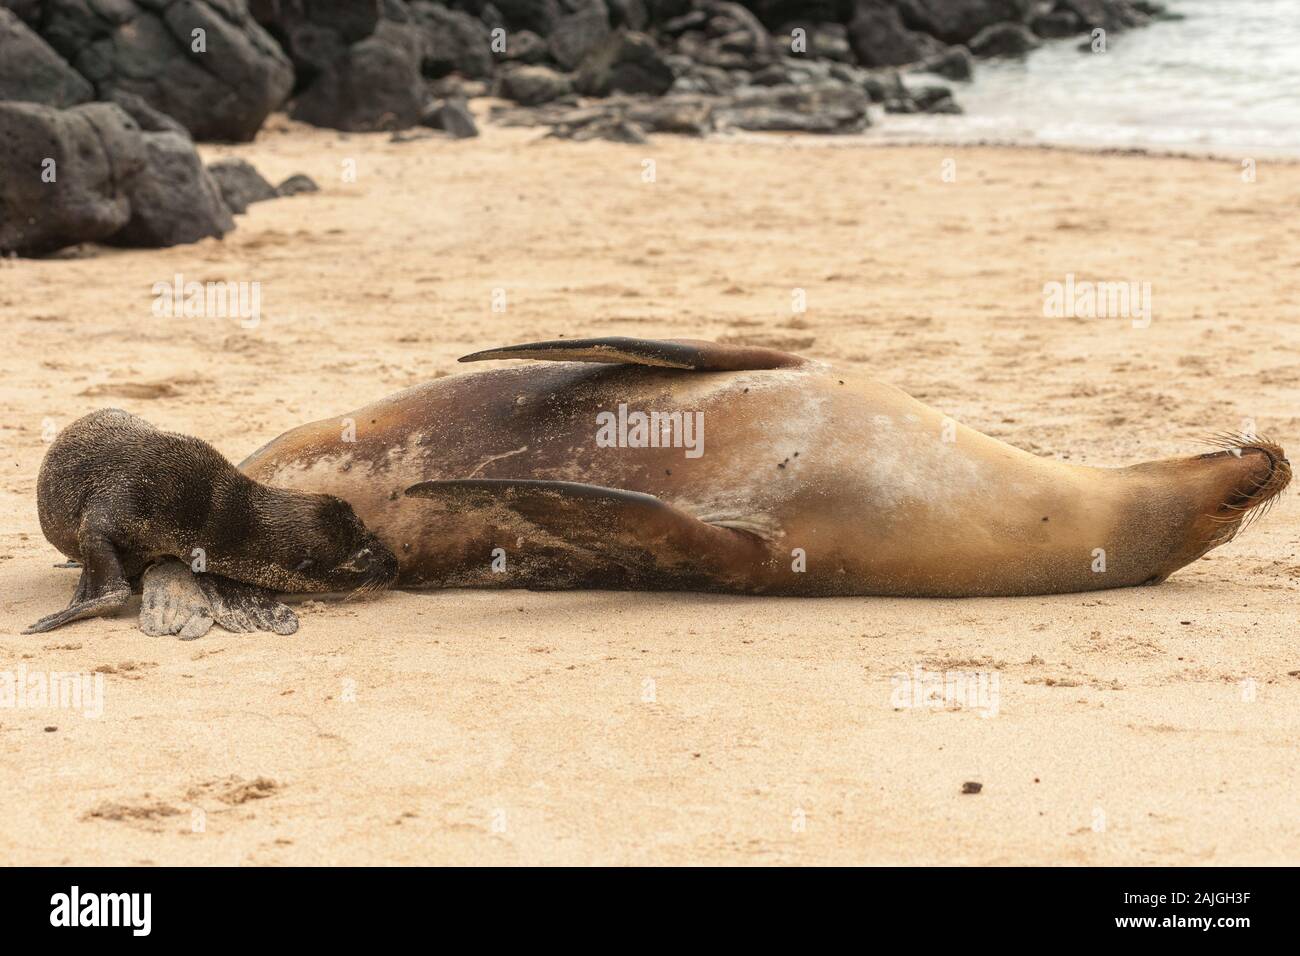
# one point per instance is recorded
(370, 566)
(374, 563)
(329, 548)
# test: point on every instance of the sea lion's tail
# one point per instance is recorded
(1206, 500)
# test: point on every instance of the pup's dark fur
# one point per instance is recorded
(117, 494)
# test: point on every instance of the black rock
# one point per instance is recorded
(626, 62)
(556, 113)
(901, 104)
(539, 16)
(241, 185)
(206, 63)
(631, 14)
(29, 11)
(880, 84)
(578, 33)
(955, 63)
(613, 128)
(525, 46)
(97, 152)
(1004, 39)
(957, 21)
(932, 98)
(146, 117)
(454, 42)
(295, 184)
(806, 109)
(1110, 15)
(531, 85)
(451, 116)
(768, 119)
(1056, 24)
(774, 13)
(453, 87)
(698, 78)
(823, 41)
(30, 70)
(686, 115)
(1154, 9)
(314, 33)
(879, 38)
(691, 20)
(173, 199)
(773, 74)
(739, 38)
(375, 84)
(848, 74)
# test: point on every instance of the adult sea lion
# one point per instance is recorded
(117, 495)
(630, 463)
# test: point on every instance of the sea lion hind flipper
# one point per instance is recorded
(101, 589)
(694, 355)
(99, 606)
(242, 608)
(622, 538)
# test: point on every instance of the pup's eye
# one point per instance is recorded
(307, 563)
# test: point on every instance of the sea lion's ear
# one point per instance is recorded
(648, 542)
(687, 354)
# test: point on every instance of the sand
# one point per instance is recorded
(1152, 725)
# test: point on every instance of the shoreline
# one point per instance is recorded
(865, 141)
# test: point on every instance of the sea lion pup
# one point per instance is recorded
(640, 464)
(116, 494)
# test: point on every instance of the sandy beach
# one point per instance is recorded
(1141, 726)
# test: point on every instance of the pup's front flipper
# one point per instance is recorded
(178, 601)
(101, 590)
(243, 607)
(173, 602)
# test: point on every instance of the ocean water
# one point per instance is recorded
(1223, 80)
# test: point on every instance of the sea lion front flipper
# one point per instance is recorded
(694, 355)
(173, 603)
(242, 608)
(613, 538)
(101, 589)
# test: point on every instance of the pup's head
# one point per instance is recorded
(317, 544)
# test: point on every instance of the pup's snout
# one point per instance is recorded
(375, 562)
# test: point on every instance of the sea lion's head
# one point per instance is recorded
(316, 543)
